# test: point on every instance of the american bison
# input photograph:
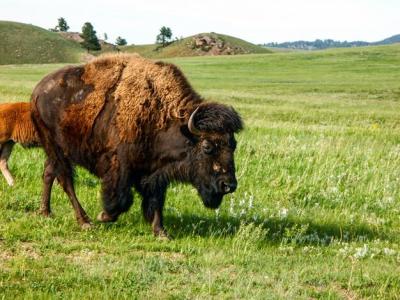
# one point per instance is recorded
(15, 127)
(133, 122)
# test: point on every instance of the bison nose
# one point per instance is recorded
(227, 186)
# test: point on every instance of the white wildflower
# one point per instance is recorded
(361, 252)
(251, 202)
(217, 213)
(283, 213)
(389, 251)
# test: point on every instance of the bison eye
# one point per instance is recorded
(208, 147)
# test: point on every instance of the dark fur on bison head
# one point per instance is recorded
(215, 117)
(211, 128)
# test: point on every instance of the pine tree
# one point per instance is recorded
(120, 41)
(90, 41)
(62, 25)
(165, 36)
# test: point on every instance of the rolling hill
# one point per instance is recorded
(390, 40)
(22, 43)
(198, 45)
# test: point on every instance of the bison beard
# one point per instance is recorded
(133, 122)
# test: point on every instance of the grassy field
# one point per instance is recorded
(316, 213)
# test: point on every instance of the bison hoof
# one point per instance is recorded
(104, 217)
(162, 235)
(45, 213)
(86, 226)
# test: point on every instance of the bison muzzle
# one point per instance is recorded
(133, 123)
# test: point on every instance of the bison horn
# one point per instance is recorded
(191, 126)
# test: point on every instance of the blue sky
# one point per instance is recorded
(253, 20)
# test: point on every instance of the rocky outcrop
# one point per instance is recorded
(209, 44)
(74, 36)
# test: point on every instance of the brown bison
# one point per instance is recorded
(133, 122)
(15, 127)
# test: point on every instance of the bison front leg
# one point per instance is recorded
(152, 206)
(115, 202)
(116, 194)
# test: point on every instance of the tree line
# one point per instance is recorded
(91, 41)
(317, 44)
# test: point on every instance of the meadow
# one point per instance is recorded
(316, 213)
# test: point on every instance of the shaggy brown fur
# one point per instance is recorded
(146, 93)
(125, 119)
(153, 94)
(102, 76)
(15, 127)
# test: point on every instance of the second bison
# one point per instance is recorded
(133, 122)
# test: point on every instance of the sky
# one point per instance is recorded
(256, 21)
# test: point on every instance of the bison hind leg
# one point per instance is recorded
(64, 173)
(48, 180)
(66, 182)
(61, 167)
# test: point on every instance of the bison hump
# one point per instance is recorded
(79, 117)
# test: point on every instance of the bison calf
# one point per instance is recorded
(15, 127)
(133, 122)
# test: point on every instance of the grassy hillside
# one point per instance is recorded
(186, 47)
(315, 216)
(23, 43)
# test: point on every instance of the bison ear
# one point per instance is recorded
(190, 136)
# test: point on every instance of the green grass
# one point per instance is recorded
(182, 48)
(23, 43)
(316, 213)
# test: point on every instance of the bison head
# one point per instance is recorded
(211, 129)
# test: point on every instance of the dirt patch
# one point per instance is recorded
(5, 255)
(87, 256)
(25, 249)
(175, 256)
(342, 292)
(345, 293)
(28, 250)
(83, 256)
